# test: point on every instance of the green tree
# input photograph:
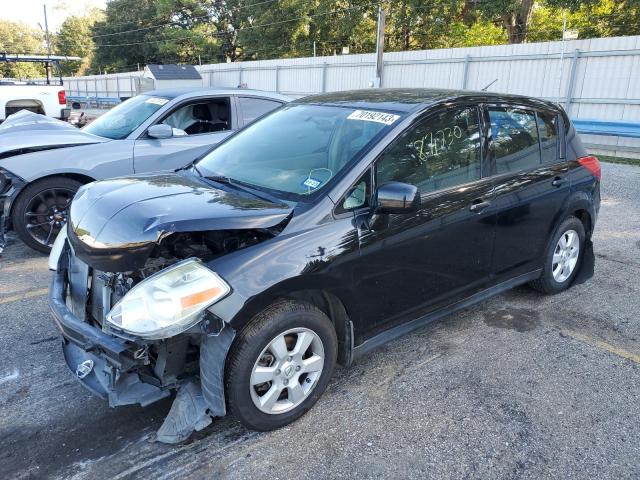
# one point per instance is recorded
(127, 35)
(75, 39)
(17, 37)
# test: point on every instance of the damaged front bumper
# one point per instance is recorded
(122, 370)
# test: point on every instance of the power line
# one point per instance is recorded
(251, 27)
(169, 24)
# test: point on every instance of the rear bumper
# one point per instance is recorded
(104, 364)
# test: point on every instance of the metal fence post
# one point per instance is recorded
(465, 73)
(277, 78)
(324, 77)
(239, 76)
(572, 80)
(118, 86)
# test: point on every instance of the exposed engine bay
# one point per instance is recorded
(148, 370)
(179, 246)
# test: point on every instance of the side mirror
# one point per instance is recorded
(160, 131)
(397, 197)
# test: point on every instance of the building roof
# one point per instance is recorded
(174, 72)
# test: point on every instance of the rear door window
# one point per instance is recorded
(253, 108)
(548, 132)
(439, 152)
(514, 144)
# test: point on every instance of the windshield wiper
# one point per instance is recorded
(193, 165)
(249, 188)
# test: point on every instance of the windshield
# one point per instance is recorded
(124, 118)
(297, 149)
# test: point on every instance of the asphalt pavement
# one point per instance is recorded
(520, 386)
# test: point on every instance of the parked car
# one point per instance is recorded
(326, 229)
(43, 162)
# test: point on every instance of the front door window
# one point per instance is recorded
(438, 153)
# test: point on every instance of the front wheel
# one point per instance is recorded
(280, 365)
(41, 211)
(562, 258)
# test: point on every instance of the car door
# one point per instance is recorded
(530, 180)
(413, 263)
(198, 124)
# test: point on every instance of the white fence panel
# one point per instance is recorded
(593, 78)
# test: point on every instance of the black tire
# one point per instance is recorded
(50, 191)
(547, 283)
(276, 319)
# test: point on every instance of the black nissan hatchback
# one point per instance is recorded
(328, 227)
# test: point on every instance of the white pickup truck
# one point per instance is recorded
(46, 96)
(49, 100)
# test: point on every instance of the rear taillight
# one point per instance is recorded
(62, 98)
(592, 164)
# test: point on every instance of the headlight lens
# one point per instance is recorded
(168, 302)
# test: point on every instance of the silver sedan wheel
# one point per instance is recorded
(287, 371)
(565, 256)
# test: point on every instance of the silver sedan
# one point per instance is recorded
(43, 161)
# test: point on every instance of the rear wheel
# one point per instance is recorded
(280, 365)
(42, 210)
(562, 258)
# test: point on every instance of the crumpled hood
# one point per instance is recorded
(31, 131)
(133, 214)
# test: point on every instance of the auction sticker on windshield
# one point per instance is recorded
(156, 100)
(370, 116)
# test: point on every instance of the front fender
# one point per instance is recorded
(318, 258)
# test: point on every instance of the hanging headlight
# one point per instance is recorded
(168, 302)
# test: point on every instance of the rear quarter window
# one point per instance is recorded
(548, 132)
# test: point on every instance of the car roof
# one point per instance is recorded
(412, 99)
(187, 92)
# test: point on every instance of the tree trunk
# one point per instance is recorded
(405, 26)
(517, 22)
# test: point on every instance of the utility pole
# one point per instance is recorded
(377, 83)
(314, 48)
(48, 38)
(564, 33)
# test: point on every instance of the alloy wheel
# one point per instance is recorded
(565, 256)
(47, 213)
(287, 371)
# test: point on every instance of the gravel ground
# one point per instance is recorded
(522, 386)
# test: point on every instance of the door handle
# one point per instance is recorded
(557, 182)
(478, 205)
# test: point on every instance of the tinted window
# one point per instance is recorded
(439, 152)
(514, 139)
(548, 131)
(253, 108)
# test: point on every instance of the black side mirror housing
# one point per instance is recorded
(397, 197)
